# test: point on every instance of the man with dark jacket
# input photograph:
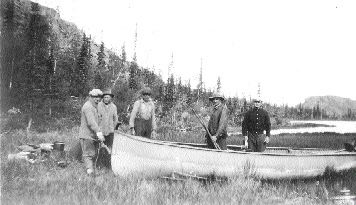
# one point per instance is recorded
(256, 127)
(218, 122)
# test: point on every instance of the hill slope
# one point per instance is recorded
(331, 104)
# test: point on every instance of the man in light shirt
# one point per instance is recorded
(142, 118)
(107, 117)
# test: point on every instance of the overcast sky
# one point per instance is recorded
(294, 49)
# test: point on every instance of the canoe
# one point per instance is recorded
(138, 156)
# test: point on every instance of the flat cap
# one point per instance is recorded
(95, 93)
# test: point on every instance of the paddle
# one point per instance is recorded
(101, 146)
(216, 146)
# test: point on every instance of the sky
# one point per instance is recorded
(291, 49)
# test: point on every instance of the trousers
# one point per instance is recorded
(143, 127)
(109, 140)
(256, 142)
(89, 148)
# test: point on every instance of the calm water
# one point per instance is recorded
(337, 127)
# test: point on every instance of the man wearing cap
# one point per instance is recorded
(218, 122)
(142, 118)
(89, 132)
(107, 117)
(256, 127)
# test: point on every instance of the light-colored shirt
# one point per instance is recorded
(107, 117)
(89, 121)
(143, 110)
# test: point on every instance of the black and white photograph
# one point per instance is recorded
(178, 102)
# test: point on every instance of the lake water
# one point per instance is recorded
(337, 127)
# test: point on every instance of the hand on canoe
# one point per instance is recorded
(100, 136)
(267, 140)
(246, 142)
(213, 138)
(132, 131)
(154, 134)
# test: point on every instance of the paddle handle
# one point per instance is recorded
(216, 146)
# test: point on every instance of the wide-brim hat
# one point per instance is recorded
(257, 99)
(146, 91)
(217, 95)
(107, 92)
(96, 93)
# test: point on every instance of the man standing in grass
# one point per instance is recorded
(256, 127)
(89, 132)
(107, 117)
(142, 118)
(218, 122)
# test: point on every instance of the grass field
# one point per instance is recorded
(46, 183)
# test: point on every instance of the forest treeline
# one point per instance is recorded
(47, 63)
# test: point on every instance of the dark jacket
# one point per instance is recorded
(256, 121)
(218, 122)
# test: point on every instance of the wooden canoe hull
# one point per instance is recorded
(132, 155)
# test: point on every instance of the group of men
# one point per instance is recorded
(99, 119)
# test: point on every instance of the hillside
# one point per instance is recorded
(331, 104)
(36, 44)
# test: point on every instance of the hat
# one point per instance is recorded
(146, 91)
(95, 93)
(256, 99)
(217, 95)
(107, 92)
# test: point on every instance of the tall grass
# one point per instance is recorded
(46, 183)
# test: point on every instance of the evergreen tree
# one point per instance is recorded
(189, 93)
(169, 99)
(179, 89)
(101, 56)
(218, 85)
(200, 84)
(66, 64)
(132, 76)
(7, 44)
(123, 58)
(35, 67)
(80, 75)
(101, 79)
(123, 53)
(50, 71)
(317, 110)
(12, 50)
(114, 67)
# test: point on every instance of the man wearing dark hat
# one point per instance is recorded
(142, 118)
(256, 127)
(89, 132)
(218, 122)
(107, 117)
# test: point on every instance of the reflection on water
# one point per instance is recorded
(333, 126)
